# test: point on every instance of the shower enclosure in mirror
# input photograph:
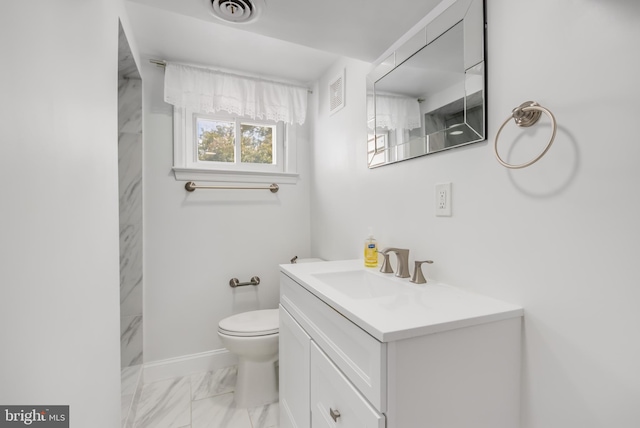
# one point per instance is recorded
(429, 94)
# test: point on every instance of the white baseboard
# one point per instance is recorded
(188, 364)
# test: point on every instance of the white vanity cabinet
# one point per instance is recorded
(339, 368)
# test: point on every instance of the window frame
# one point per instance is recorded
(186, 165)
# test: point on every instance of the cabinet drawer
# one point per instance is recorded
(360, 357)
(332, 396)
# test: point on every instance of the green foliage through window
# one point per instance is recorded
(257, 144)
(216, 141)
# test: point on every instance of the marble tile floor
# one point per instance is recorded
(203, 400)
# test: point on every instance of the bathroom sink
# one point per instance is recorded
(358, 284)
(387, 307)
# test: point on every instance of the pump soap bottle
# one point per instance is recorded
(370, 251)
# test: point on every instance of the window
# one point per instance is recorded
(377, 150)
(224, 147)
(229, 142)
(216, 146)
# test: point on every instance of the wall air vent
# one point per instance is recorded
(336, 93)
(236, 11)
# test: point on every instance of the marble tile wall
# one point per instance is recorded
(130, 192)
(130, 189)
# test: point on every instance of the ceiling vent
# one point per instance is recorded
(236, 11)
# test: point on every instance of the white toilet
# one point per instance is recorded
(253, 337)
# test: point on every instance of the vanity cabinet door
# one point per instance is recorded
(358, 355)
(334, 400)
(294, 373)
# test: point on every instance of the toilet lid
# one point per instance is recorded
(253, 323)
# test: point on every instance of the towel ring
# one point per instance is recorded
(525, 115)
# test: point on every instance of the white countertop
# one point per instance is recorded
(409, 310)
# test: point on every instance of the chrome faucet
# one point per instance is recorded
(402, 256)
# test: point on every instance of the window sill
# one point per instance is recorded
(209, 175)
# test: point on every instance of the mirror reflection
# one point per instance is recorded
(434, 100)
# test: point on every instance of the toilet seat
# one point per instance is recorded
(254, 323)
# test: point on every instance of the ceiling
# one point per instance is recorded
(292, 39)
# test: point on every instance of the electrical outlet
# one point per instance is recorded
(443, 200)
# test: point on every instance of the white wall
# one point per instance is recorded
(59, 308)
(561, 238)
(196, 242)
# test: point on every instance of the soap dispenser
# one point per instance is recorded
(370, 251)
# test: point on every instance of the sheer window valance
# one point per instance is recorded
(208, 91)
(393, 112)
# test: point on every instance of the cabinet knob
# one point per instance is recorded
(334, 414)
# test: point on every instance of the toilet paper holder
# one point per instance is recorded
(234, 282)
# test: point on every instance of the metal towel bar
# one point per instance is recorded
(191, 186)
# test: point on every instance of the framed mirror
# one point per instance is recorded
(429, 94)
